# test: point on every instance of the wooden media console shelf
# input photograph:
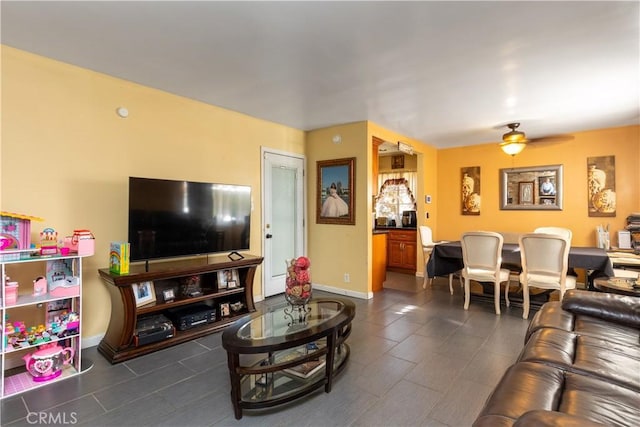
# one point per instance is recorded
(229, 303)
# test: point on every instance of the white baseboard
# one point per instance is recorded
(340, 291)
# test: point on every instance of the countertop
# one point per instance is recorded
(387, 229)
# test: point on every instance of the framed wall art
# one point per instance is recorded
(336, 192)
(470, 190)
(531, 188)
(601, 186)
(397, 162)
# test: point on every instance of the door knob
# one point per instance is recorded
(268, 236)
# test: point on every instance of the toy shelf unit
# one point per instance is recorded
(40, 307)
(157, 305)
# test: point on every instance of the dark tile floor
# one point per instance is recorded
(417, 359)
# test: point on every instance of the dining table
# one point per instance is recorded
(446, 258)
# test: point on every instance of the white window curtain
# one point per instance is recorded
(411, 177)
(395, 195)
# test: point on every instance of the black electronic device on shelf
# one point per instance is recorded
(152, 329)
(191, 316)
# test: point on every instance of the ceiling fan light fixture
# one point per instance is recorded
(513, 148)
(513, 136)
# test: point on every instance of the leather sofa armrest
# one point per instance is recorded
(621, 309)
(541, 418)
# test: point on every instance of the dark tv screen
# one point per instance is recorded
(181, 218)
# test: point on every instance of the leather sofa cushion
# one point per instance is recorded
(588, 355)
(553, 419)
(524, 387)
(528, 386)
(620, 309)
(551, 315)
(600, 401)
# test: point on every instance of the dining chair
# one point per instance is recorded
(560, 231)
(545, 258)
(426, 239)
(482, 256)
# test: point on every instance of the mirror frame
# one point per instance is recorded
(504, 184)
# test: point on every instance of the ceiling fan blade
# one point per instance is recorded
(551, 139)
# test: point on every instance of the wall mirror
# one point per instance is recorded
(531, 188)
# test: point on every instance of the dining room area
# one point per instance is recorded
(501, 267)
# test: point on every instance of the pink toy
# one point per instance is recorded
(11, 293)
(47, 363)
(39, 286)
(48, 242)
(67, 287)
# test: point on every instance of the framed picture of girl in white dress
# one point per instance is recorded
(336, 192)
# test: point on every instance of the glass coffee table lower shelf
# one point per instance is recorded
(273, 360)
(265, 389)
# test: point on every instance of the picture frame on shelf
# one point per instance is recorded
(144, 293)
(336, 192)
(228, 279)
(225, 310)
(168, 295)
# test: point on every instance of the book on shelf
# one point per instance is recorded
(306, 369)
(119, 257)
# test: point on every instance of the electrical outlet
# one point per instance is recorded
(347, 279)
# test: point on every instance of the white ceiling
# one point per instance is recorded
(445, 73)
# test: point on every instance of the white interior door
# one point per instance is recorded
(283, 216)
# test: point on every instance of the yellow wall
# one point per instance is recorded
(338, 249)
(623, 143)
(67, 156)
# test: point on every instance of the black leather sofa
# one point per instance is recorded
(580, 366)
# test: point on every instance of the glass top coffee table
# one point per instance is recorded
(618, 285)
(277, 356)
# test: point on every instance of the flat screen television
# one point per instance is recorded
(181, 218)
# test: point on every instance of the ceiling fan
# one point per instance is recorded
(514, 141)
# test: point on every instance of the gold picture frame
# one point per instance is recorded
(336, 192)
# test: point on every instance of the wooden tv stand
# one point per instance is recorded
(119, 344)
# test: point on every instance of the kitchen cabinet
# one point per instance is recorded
(402, 250)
